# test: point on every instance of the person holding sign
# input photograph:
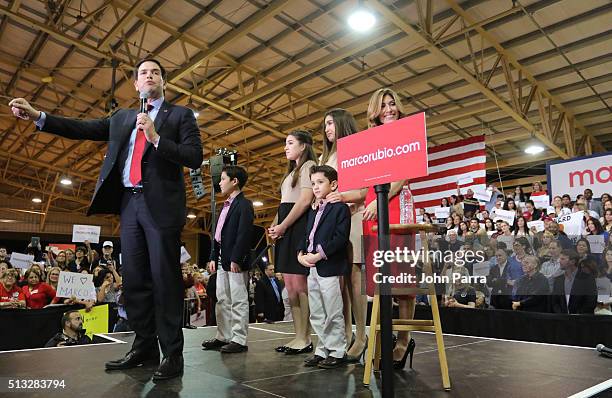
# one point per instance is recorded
(339, 123)
(289, 229)
(560, 210)
(141, 179)
(385, 107)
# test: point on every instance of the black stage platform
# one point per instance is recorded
(479, 367)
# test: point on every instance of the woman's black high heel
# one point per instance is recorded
(398, 365)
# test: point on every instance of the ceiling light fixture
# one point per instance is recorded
(191, 215)
(362, 19)
(534, 149)
(66, 181)
(37, 200)
(258, 203)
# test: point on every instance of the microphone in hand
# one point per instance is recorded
(143, 102)
(604, 351)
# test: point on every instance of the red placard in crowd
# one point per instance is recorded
(383, 154)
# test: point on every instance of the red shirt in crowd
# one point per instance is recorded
(39, 295)
(15, 294)
(538, 193)
(200, 289)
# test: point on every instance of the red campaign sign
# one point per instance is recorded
(383, 154)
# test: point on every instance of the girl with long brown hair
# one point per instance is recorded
(289, 230)
(339, 123)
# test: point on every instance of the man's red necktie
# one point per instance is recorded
(139, 145)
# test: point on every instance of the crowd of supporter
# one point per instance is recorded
(529, 268)
(35, 287)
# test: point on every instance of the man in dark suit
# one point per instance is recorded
(268, 297)
(232, 247)
(592, 204)
(142, 180)
(497, 280)
(574, 292)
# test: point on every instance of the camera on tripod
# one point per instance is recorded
(223, 157)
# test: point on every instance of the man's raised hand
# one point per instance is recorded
(23, 110)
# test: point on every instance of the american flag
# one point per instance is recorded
(449, 163)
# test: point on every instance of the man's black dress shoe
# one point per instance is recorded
(213, 344)
(312, 361)
(169, 368)
(233, 348)
(133, 359)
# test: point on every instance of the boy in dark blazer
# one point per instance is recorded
(324, 252)
(232, 244)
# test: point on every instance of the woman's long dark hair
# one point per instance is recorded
(345, 125)
(516, 227)
(305, 138)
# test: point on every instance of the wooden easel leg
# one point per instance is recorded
(439, 341)
(372, 340)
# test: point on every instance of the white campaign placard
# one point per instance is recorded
(75, 284)
(185, 256)
(505, 215)
(81, 233)
(541, 201)
(419, 219)
(442, 212)
(573, 224)
(481, 269)
(484, 196)
(20, 260)
(550, 210)
(539, 225)
(598, 243)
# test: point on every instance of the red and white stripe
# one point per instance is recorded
(447, 163)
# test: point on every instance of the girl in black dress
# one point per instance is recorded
(290, 230)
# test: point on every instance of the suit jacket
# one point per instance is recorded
(595, 205)
(236, 235)
(499, 283)
(162, 168)
(332, 234)
(583, 297)
(266, 302)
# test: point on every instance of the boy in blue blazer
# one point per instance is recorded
(324, 252)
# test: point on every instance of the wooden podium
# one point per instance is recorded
(434, 325)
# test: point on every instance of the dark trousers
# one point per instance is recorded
(152, 279)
